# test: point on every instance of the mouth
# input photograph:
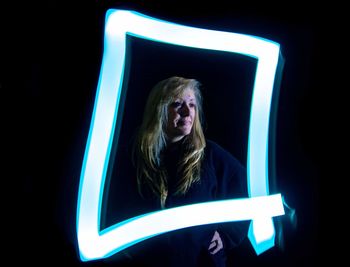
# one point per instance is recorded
(183, 122)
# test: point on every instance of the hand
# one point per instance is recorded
(215, 244)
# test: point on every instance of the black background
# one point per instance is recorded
(50, 62)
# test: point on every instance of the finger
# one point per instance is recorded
(219, 246)
(216, 250)
(212, 245)
(216, 236)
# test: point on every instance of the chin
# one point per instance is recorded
(185, 133)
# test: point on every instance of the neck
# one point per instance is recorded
(175, 139)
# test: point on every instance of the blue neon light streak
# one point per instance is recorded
(259, 207)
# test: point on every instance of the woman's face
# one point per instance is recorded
(181, 114)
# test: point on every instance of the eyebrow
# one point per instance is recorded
(192, 98)
(180, 98)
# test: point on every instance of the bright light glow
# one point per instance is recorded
(261, 234)
(259, 207)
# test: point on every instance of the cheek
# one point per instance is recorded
(172, 116)
(193, 113)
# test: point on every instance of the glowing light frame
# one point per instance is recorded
(259, 207)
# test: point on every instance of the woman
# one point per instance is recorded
(176, 165)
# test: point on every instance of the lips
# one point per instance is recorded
(184, 122)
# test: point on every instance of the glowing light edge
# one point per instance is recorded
(108, 39)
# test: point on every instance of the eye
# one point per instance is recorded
(176, 104)
(192, 105)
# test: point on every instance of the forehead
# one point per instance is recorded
(187, 94)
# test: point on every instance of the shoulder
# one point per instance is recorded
(220, 156)
(230, 173)
(217, 150)
(212, 145)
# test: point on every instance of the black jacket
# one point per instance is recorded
(222, 177)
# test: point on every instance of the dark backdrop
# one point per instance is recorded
(51, 61)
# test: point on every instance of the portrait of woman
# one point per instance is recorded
(175, 165)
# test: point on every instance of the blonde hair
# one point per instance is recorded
(151, 139)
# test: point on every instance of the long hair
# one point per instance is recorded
(151, 140)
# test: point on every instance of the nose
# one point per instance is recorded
(185, 110)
